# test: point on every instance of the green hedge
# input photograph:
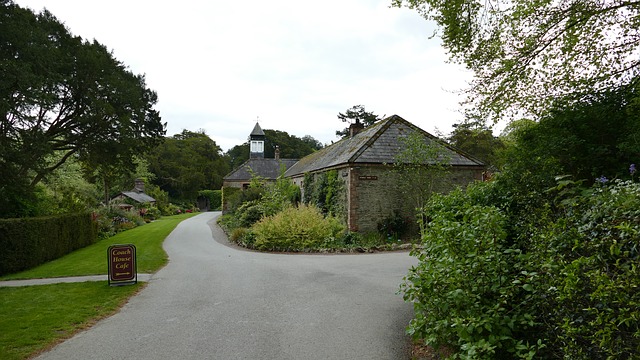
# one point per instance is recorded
(28, 242)
(214, 197)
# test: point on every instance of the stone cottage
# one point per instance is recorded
(364, 163)
(136, 195)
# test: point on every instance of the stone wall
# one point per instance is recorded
(376, 191)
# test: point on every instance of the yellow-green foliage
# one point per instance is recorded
(294, 229)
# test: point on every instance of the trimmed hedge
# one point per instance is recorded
(28, 242)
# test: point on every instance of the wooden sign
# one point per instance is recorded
(122, 264)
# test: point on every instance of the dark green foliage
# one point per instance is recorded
(214, 198)
(597, 137)
(501, 278)
(60, 93)
(394, 227)
(28, 242)
(477, 140)
(590, 259)
(468, 289)
(187, 163)
(327, 192)
(291, 147)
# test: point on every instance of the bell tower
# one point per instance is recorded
(256, 143)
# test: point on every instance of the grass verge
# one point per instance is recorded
(33, 318)
(92, 260)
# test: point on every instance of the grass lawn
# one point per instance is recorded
(92, 260)
(33, 318)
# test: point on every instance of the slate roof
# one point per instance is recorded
(257, 130)
(138, 196)
(376, 144)
(266, 168)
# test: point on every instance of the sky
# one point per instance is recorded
(292, 65)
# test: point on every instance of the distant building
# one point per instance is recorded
(136, 195)
(364, 163)
(257, 165)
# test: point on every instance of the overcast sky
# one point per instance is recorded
(219, 65)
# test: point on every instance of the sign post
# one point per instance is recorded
(122, 265)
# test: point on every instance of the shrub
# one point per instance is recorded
(465, 289)
(593, 275)
(295, 229)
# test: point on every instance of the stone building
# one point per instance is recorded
(257, 165)
(136, 195)
(372, 188)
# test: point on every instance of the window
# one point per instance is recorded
(257, 146)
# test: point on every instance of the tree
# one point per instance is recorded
(598, 137)
(477, 140)
(421, 165)
(61, 94)
(526, 54)
(186, 163)
(291, 147)
(356, 115)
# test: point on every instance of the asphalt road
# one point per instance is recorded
(214, 301)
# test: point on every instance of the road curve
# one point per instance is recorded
(214, 301)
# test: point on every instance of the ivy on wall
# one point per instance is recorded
(326, 191)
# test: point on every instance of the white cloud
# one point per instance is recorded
(218, 65)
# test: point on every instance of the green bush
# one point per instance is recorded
(466, 290)
(249, 213)
(559, 280)
(28, 242)
(592, 256)
(112, 220)
(295, 229)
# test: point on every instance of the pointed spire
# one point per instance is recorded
(256, 142)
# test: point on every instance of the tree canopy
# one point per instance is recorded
(595, 138)
(356, 115)
(291, 147)
(477, 140)
(526, 54)
(186, 163)
(61, 94)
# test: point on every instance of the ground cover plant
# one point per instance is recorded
(92, 259)
(34, 317)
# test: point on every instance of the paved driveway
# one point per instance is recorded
(214, 301)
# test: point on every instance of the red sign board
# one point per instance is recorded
(122, 264)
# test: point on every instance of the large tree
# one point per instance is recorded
(61, 94)
(526, 54)
(291, 147)
(187, 163)
(476, 139)
(356, 115)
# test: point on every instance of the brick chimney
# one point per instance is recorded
(277, 152)
(139, 186)
(355, 128)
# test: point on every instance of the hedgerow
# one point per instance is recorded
(559, 280)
